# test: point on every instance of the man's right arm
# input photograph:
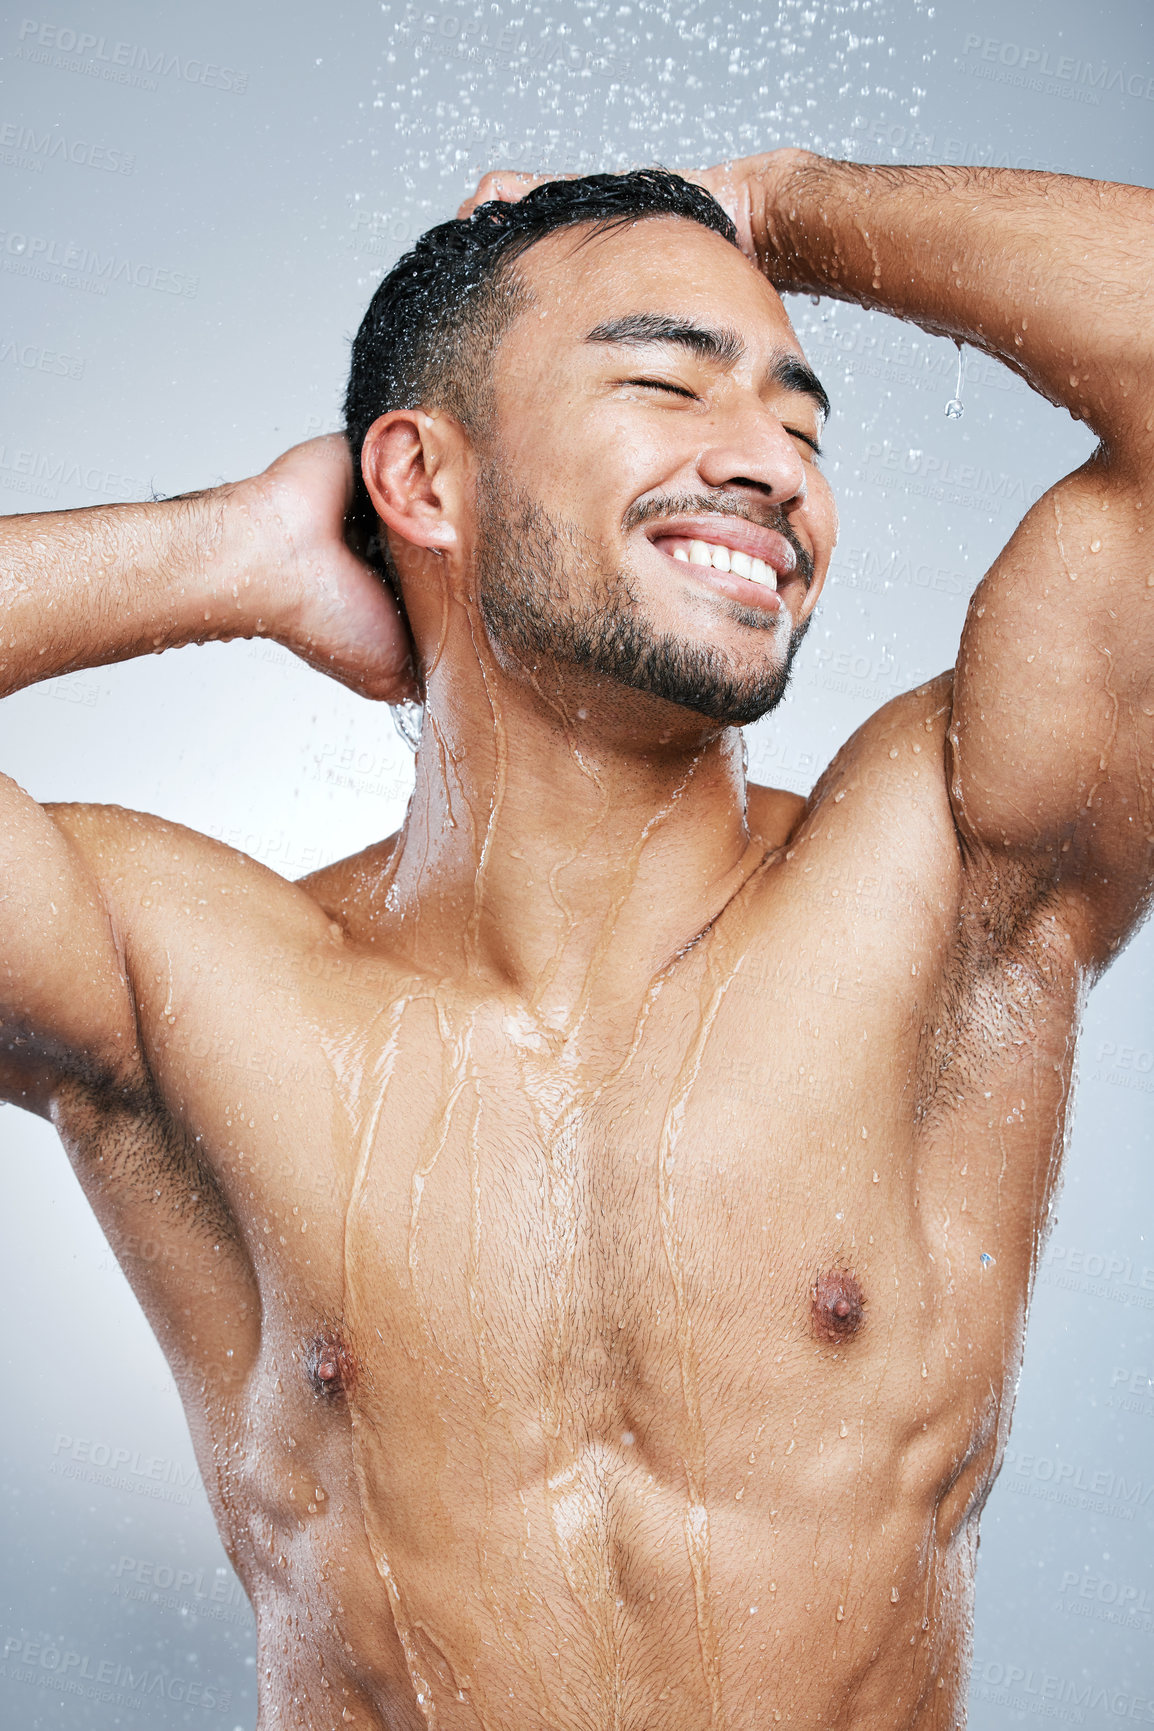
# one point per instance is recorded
(265, 557)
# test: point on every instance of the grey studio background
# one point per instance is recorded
(195, 205)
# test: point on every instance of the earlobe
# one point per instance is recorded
(406, 467)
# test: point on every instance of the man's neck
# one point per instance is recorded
(563, 849)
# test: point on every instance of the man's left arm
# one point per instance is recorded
(1052, 732)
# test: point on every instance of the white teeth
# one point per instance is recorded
(722, 559)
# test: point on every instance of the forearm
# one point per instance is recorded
(1053, 275)
(88, 587)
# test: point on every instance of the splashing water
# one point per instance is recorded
(408, 719)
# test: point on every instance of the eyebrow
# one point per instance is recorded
(724, 347)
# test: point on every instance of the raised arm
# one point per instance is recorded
(264, 557)
(1052, 735)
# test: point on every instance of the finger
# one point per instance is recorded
(503, 185)
(352, 629)
(730, 187)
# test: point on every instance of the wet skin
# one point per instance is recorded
(594, 1395)
(596, 1224)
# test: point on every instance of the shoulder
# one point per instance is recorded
(900, 752)
(353, 891)
(895, 762)
(227, 963)
(155, 873)
(880, 817)
(773, 813)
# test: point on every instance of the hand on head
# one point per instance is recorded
(728, 182)
(504, 186)
(339, 614)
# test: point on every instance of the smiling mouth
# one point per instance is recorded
(725, 546)
(718, 556)
(735, 555)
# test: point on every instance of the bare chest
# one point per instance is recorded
(797, 1153)
(741, 1197)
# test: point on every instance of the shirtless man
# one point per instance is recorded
(602, 1311)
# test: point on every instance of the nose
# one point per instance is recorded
(750, 447)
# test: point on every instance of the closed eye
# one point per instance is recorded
(805, 438)
(663, 385)
(681, 391)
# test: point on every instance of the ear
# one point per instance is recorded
(411, 462)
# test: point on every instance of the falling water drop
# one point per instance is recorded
(955, 408)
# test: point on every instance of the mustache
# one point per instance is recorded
(721, 504)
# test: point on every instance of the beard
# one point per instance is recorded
(545, 594)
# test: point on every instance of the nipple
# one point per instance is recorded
(838, 1305)
(330, 1367)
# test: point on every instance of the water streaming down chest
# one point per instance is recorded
(495, 1294)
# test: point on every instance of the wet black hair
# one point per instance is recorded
(434, 323)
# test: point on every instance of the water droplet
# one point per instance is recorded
(955, 408)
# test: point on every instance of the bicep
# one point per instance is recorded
(1052, 729)
(65, 1003)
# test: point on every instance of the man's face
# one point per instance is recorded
(652, 412)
